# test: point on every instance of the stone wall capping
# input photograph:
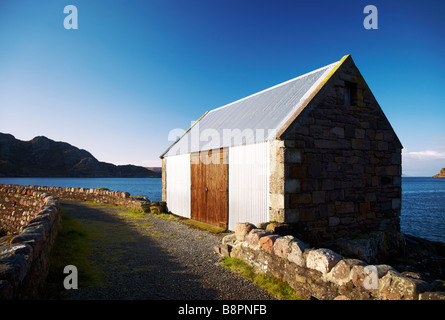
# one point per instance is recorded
(267, 241)
(282, 246)
(324, 274)
(242, 229)
(341, 273)
(396, 286)
(297, 252)
(322, 260)
(253, 237)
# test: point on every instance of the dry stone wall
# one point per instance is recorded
(321, 273)
(17, 207)
(106, 196)
(30, 220)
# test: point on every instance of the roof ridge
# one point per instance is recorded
(308, 96)
(291, 102)
(276, 86)
(303, 99)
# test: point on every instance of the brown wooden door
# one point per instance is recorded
(209, 188)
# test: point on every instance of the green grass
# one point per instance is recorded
(167, 216)
(203, 226)
(73, 246)
(70, 248)
(125, 211)
(274, 286)
(79, 241)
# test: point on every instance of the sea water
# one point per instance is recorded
(423, 199)
(423, 207)
(147, 187)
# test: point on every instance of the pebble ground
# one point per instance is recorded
(149, 257)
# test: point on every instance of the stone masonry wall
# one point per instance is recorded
(321, 273)
(17, 207)
(277, 211)
(342, 165)
(118, 198)
(31, 220)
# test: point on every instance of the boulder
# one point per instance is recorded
(242, 229)
(382, 269)
(438, 285)
(365, 276)
(322, 260)
(281, 247)
(396, 286)
(13, 269)
(32, 239)
(366, 248)
(368, 276)
(267, 242)
(437, 295)
(341, 297)
(340, 274)
(223, 249)
(296, 252)
(16, 248)
(253, 237)
(230, 238)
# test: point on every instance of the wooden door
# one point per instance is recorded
(209, 188)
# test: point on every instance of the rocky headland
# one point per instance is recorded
(441, 174)
(43, 157)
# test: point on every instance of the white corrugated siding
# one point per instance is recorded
(178, 185)
(249, 184)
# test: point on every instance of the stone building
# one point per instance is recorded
(315, 155)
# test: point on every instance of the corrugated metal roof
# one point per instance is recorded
(253, 119)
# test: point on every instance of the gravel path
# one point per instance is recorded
(153, 258)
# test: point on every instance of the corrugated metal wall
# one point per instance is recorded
(249, 184)
(178, 185)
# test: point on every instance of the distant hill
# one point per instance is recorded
(155, 169)
(43, 157)
(441, 174)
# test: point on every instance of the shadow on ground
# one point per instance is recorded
(125, 258)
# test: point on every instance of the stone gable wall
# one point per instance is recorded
(342, 165)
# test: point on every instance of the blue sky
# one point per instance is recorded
(135, 70)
